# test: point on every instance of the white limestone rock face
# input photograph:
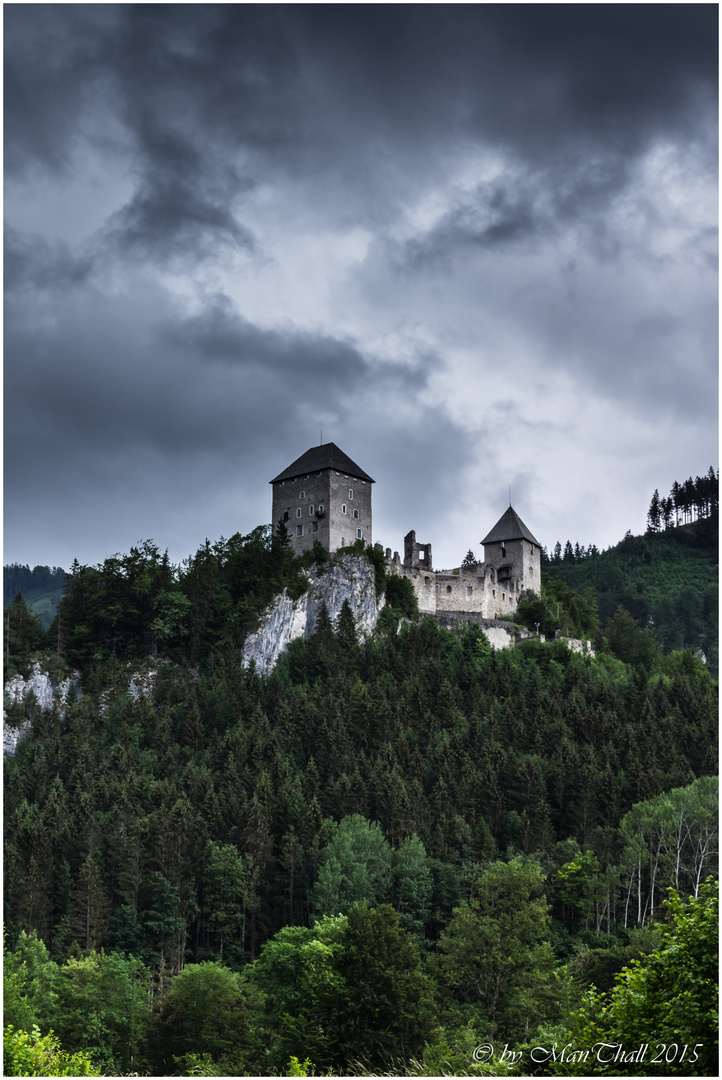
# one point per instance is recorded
(348, 577)
(46, 692)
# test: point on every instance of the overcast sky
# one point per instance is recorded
(476, 244)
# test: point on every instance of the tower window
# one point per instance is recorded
(302, 494)
(355, 513)
(493, 592)
(310, 508)
(320, 508)
(299, 512)
(299, 530)
(469, 590)
(359, 534)
(343, 508)
(314, 526)
(350, 493)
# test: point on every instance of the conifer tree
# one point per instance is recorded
(654, 513)
(346, 628)
(91, 908)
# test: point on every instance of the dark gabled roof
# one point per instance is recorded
(510, 527)
(325, 456)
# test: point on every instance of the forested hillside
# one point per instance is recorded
(42, 588)
(381, 856)
(666, 579)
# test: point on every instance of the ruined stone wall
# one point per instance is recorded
(500, 634)
(473, 589)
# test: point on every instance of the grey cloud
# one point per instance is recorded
(131, 372)
(334, 88)
(520, 207)
(53, 75)
(173, 223)
(31, 262)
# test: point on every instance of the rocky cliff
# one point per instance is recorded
(44, 690)
(347, 577)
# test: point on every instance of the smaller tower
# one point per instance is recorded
(515, 554)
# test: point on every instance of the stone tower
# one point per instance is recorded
(514, 553)
(324, 496)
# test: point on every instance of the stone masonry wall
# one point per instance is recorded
(474, 589)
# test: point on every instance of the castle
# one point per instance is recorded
(324, 495)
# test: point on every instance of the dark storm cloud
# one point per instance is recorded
(136, 406)
(31, 262)
(126, 373)
(313, 363)
(172, 223)
(53, 73)
(521, 206)
(213, 98)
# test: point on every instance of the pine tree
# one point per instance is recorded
(90, 909)
(667, 508)
(346, 628)
(654, 513)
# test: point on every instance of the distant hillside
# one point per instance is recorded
(42, 588)
(667, 581)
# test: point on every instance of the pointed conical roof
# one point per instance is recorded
(510, 527)
(325, 456)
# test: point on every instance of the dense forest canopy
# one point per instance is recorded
(381, 856)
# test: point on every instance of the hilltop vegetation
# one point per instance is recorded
(377, 858)
(42, 588)
(667, 579)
